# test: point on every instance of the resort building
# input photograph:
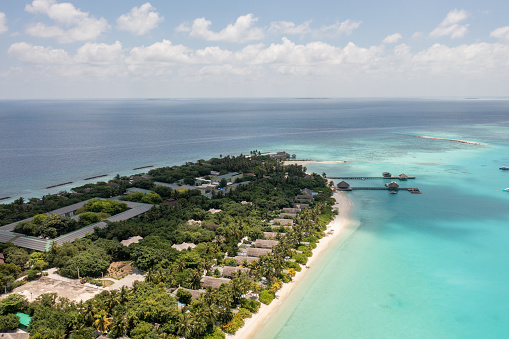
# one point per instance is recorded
(260, 243)
(131, 240)
(257, 252)
(230, 177)
(215, 283)
(241, 260)
(282, 222)
(229, 271)
(183, 246)
(392, 185)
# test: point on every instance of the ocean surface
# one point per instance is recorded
(430, 265)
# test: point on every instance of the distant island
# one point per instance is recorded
(214, 241)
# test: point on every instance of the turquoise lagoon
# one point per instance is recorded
(433, 265)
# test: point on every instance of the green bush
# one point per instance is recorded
(143, 330)
(237, 321)
(9, 322)
(305, 250)
(266, 297)
(88, 218)
(294, 265)
(13, 303)
(285, 277)
(301, 258)
(32, 275)
(215, 334)
(249, 304)
(230, 262)
(184, 296)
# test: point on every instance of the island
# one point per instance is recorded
(199, 250)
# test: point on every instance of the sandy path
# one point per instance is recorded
(342, 220)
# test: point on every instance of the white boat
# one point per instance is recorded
(506, 189)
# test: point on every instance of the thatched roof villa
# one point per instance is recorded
(241, 259)
(228, 271)
(260, 243)
(215, 283)
(282, 222)
(257, 252)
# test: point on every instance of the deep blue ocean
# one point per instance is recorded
(433, 265)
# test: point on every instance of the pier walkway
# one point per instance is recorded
(392, 177)
(409, 189)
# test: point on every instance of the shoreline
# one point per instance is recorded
(252, 325)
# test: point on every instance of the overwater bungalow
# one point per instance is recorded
(344, 186)
(392, 185)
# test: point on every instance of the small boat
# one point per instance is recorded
(504, 168)
(393, 192)
(506, 189)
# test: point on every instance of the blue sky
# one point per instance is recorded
(162, 49)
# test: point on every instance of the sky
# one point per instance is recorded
(53, 49)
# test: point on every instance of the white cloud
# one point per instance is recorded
(3, 25)
(392, 38)
(501, 33)
(72, 23)
(288, 27)
(99, 53)
(242, 30)
(38, 54)
(160, 52)
(451, 26)
(340, 28)
(140, 20)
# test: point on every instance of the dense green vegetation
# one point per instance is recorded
(55, 225)
(148, 310)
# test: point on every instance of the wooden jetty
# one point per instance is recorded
(409, 189)
(393, 187)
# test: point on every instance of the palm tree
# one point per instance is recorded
(184, 325)
(119, 325)
(195, 282)
(102, 322)
(123, 296)
(89, 311)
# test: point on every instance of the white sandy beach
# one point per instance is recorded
(342, 220)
